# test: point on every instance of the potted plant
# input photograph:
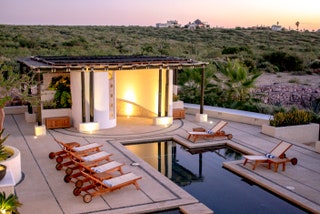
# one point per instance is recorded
(12, 84)
(293, 125)
(4, 154)
(177, 103)
(9, 160)
(10, 204)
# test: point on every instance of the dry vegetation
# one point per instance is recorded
(201, 44)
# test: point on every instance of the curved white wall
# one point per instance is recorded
(101, 100)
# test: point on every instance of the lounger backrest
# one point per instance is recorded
(280, 149)
(219, 126)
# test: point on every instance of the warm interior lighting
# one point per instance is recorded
(40, 130)
(164, 121)
(129, 109)
(88, 127)
(130, 96)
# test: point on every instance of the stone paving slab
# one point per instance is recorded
(195, 208)
(43, 184)
(281, 183)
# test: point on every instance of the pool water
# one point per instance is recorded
(200, 173)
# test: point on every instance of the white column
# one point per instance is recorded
(101, 101)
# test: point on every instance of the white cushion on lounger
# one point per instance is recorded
(121, 179)
(86, 147)
(95, 156)
(107, 183)
(106, 166)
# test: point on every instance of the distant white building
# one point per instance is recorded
(170, 23)
(276, 27)
(197, 24)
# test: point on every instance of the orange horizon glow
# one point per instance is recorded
(224, 14)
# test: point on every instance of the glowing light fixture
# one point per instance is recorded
(163, 121)
(40, 130)
(88, 127)
(129, 109)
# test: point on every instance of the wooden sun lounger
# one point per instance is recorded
(98, 187)
(65, 147)
(100, 171)
(90, 159)
(276, 156)
(215, 131)
(73, 147)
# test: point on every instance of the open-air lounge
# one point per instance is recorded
(113, 106)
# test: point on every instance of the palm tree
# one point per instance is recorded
(297, 24)
(235, 80)
(190, 81)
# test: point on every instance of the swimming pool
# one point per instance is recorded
(201, 174)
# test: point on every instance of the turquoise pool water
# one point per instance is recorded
(201, 174)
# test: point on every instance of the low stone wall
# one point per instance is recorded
(288, 94)
(230, 114)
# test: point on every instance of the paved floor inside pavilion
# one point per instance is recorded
(43, 190)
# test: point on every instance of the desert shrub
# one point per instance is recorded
(268, 67)
(27, 43)
(294, 80)
(315, 64)
(315, 118)
(234, 50)
(284, 61)
(290, 118)
(249, 63)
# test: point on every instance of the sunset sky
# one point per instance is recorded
(226, 13)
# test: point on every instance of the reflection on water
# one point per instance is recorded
(164, 157)
(199, 172)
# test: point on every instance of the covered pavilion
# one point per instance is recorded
(104, 87)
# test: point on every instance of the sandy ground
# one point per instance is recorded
(269, 79)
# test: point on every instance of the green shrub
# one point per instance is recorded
(49, 104)
(268, 67)
(62, 97)
(3, 152)
(9, 204)
(315, 64)
(291, 118)
(175, 97)
(294, 80)
(284, 61)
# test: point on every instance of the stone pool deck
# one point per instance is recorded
(43, 190)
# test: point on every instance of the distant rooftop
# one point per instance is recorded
(107, 62)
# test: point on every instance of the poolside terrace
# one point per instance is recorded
(43, 190)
